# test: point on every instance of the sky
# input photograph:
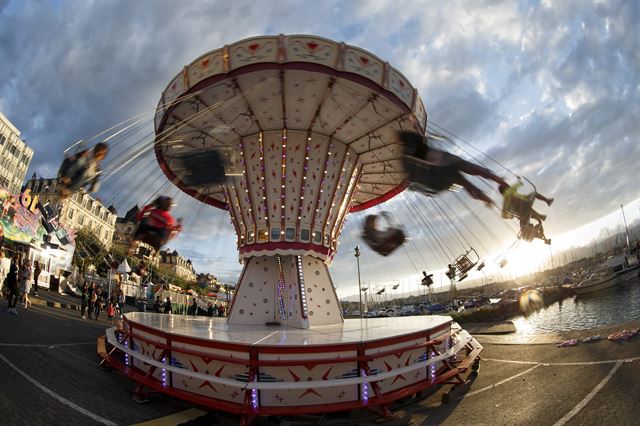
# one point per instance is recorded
(550, 90)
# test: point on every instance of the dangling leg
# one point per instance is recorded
(543, 198)
(537, 216)
(474, 169)
(473, 190)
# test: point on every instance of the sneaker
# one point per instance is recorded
(13, 311)
(548, 241)
(550, 202)
(543, 216)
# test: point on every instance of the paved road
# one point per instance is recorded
(49, 375)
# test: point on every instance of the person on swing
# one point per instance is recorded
(82, 170)
(432, 170)
(156, 225)
(520, 205)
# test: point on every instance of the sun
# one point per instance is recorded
(527, 258)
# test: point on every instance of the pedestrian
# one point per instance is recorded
(93, 297)
(110, 312)
(120, 303)
(98, 304)
(167, 306)
(210, 309)
(193, 309)
(221, 310)
(84, 300)
(12, 285)
(157, 305)
(5, 265)
(24, 283)
(36, 273)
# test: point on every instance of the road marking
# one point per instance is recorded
(500, 382)
(589, 397)
(81, 358)
(608, 361)
(43, 345)
(266, 337)
(174, 419)
(56, 396)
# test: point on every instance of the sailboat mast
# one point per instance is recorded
(626, 229)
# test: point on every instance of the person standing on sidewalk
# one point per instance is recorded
(84, 300)
(167, 306)
(121, 303)
(12, 284)
(110, 311)
(93, 296)
(36, 273)
(5, 264)
(98, 303)
(24, 283)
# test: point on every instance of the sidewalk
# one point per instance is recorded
(54, 299)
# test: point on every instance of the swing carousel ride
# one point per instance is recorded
(290, 134)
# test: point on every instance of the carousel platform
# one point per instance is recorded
(254, 370)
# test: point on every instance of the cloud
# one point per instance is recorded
(550, 91)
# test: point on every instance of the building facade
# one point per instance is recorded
(79, 211)
(15, 156)
(171, 261)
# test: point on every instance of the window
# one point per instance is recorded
(290, 234)
(81, 220)
(70, 214)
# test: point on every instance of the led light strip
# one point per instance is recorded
(303, 293)
(280, 287)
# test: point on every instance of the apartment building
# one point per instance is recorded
(172, 262)
(15, 156)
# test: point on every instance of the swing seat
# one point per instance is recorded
(427, 280)
(155, 237)
(465, 263)
(382, 242)
(203, 168)
(529, 232)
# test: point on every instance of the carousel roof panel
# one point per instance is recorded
(298, 82)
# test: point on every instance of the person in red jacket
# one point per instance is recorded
(156, 225)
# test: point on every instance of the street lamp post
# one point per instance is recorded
(359, 282)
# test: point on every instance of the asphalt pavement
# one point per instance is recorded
(49, 375)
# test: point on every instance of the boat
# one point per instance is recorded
(600, 279)
(624, 265)
(627, 264)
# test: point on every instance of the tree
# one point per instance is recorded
(89, 251)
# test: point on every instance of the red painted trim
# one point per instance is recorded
(302, 66)
(284, 245)
(381, 199)
(246, 409)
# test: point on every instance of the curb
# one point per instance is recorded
(57, 305)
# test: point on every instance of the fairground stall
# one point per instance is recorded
(23, 234)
